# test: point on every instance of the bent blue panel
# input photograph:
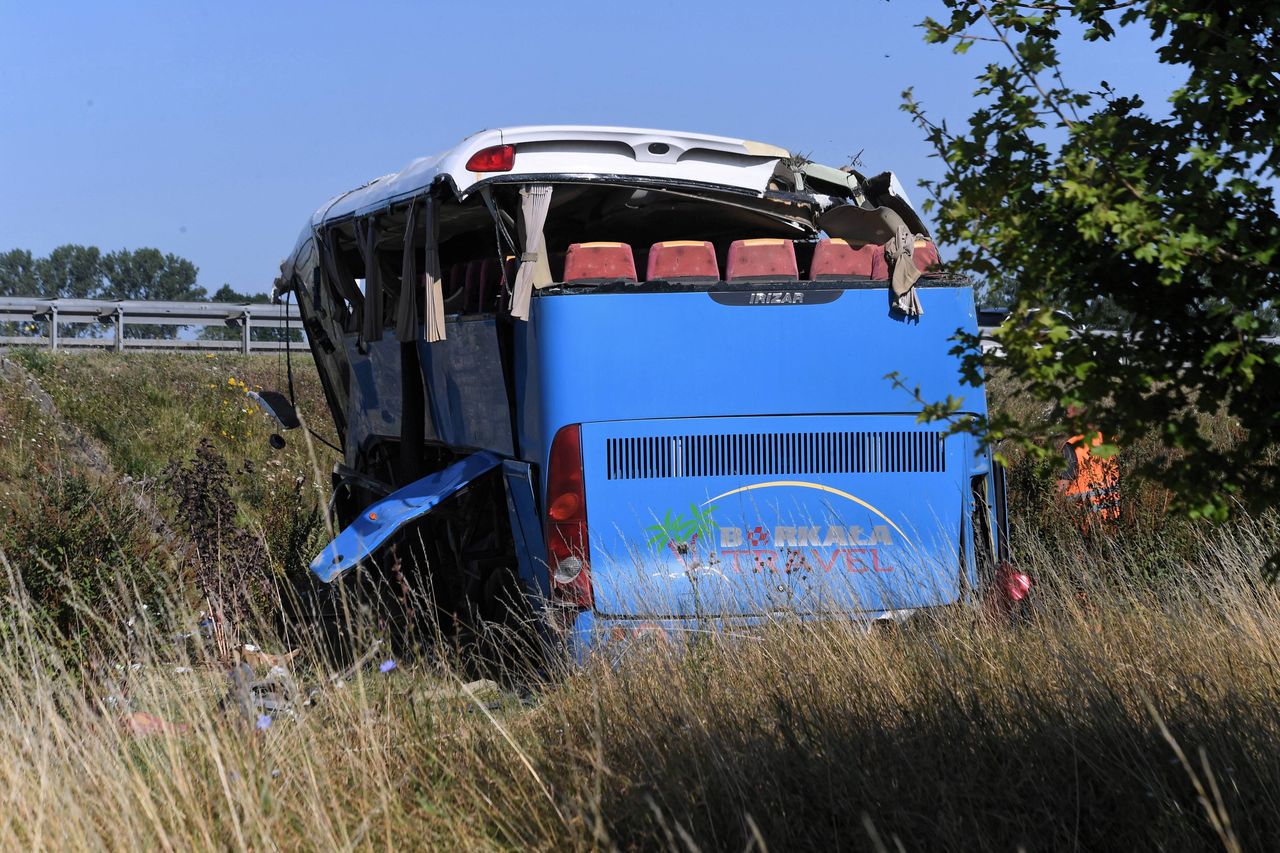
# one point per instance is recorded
(526, 528)
(378, 521)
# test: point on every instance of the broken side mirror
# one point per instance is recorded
(279, 408)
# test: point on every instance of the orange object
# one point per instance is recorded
(1092, 481)
(142, 724)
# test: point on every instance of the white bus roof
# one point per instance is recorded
(577, 150)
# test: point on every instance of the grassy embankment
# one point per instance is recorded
(1134, 708)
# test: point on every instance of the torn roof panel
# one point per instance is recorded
(577, 150)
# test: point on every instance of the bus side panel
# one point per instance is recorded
(528, 381)
(374, 400)
(466, 394)
(526, 527)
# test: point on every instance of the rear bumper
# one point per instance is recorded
(596, 634)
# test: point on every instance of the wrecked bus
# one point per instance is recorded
(636, 380)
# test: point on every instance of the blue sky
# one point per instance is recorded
(212, 131)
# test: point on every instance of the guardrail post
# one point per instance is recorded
(120, 328)
(53, 327)
(246, 334)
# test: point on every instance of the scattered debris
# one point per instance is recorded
(339, 679)
(470, 690)
(142, 724)
(276, 695)
(255, 656)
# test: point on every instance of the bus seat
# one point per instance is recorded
(925, 254)
(599, 262)
(763, 259)
(835, 258)
(454, 285)
(475, 287)
(879, 266)
(490, 284)
(683, 260)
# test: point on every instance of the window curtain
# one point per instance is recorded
(407, 310)
(886, 227)
(367, 236)
(341, 277)
(534, 271)
(904, 274)
(433, 307)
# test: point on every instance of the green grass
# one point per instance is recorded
(151, 410)
(88, 445)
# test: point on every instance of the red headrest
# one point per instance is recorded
(924, 253)
(599, 262)
(683, 260)
(879, 266)
(454, 285)
(761, 259)
(837, 259)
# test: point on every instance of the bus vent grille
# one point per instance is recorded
(775, 453)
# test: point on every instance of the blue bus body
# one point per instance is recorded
(819, 494)
(738, 452)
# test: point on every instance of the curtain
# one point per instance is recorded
(533, 270)
(341, 276)
(904, 274)
(407, 310)
(433, 308)
(367, 235)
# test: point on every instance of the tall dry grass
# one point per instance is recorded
(1114, 714)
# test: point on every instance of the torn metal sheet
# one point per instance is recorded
(576, 149)
(378, 521)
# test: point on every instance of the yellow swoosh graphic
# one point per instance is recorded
(803, 485)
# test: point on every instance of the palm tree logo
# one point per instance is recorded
(680, 532)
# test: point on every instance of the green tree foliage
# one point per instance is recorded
(227, 293)
(147, 274)
(84, 272)
(1109, 212)
(18, 274)
(71, 272)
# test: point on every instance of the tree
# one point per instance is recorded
(70, 272)
(1096, 205)
(227, 293)
(18, 274)
(147, 274)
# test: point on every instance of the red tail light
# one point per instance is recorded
(568, 551)
(496, 158)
